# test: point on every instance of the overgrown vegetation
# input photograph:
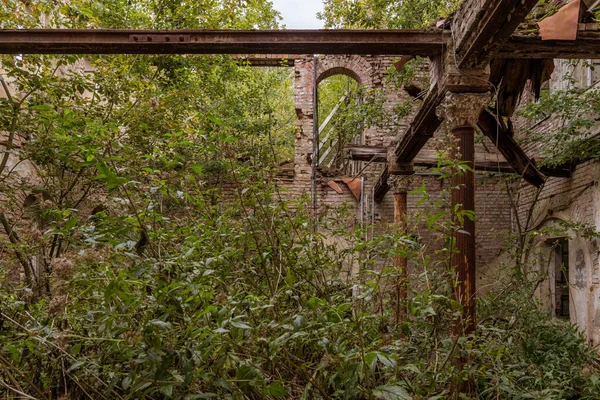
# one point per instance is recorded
(152, 254)
(385, 14)
(572, 111)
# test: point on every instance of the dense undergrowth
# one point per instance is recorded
(254, 304)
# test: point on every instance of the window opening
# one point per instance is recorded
(561, 278)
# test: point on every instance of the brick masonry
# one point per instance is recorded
(574, 200)
(492, 204)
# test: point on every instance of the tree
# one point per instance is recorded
(385, 14)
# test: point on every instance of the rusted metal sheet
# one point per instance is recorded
(355, 186)
(65, 41)
(338, 189)
(563, 25)
(399, 65)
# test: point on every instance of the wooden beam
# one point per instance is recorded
(420, 130)
(484, 162)
(429, 158)
(359, 152)
(587, 46)
(481, 27)
(502, 137)
(422, 127)
(381, 187)
(100, 41)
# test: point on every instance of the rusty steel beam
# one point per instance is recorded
(420, 130)
(481, 27)
(275, 42)
(65, 41)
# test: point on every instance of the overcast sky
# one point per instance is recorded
(299, 14)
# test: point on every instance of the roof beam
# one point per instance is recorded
(502, 137)
(99, 41)
(487, 162)
(422, 127)
(480, 28)
(418, 133)
(586, 46)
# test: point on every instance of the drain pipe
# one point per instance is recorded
(315, 157)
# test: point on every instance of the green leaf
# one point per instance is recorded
(197, 168)
(75, 366)
(388, 392)
(216, 120)
(160, 324)
(240, 325)
(371, 359)
(76, 349)
(126, 382)
(277, 389)
(71, 223)
(290, 278)
(411, 368)
(167, 390)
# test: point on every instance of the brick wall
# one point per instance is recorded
(492, 203)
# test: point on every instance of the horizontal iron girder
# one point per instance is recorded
(97, 41)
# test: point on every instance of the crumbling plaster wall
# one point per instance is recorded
(574, 200)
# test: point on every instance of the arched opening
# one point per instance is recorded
(340, 119)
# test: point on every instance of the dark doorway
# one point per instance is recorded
(561, 278)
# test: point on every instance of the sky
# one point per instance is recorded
(300, 14)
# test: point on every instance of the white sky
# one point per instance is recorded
(299, 14)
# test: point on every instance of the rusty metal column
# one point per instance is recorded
(400, 185)
(462, 112)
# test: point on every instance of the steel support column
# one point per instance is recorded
(400, 262)
(400, 185)
(463, 200)
(461, 112)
